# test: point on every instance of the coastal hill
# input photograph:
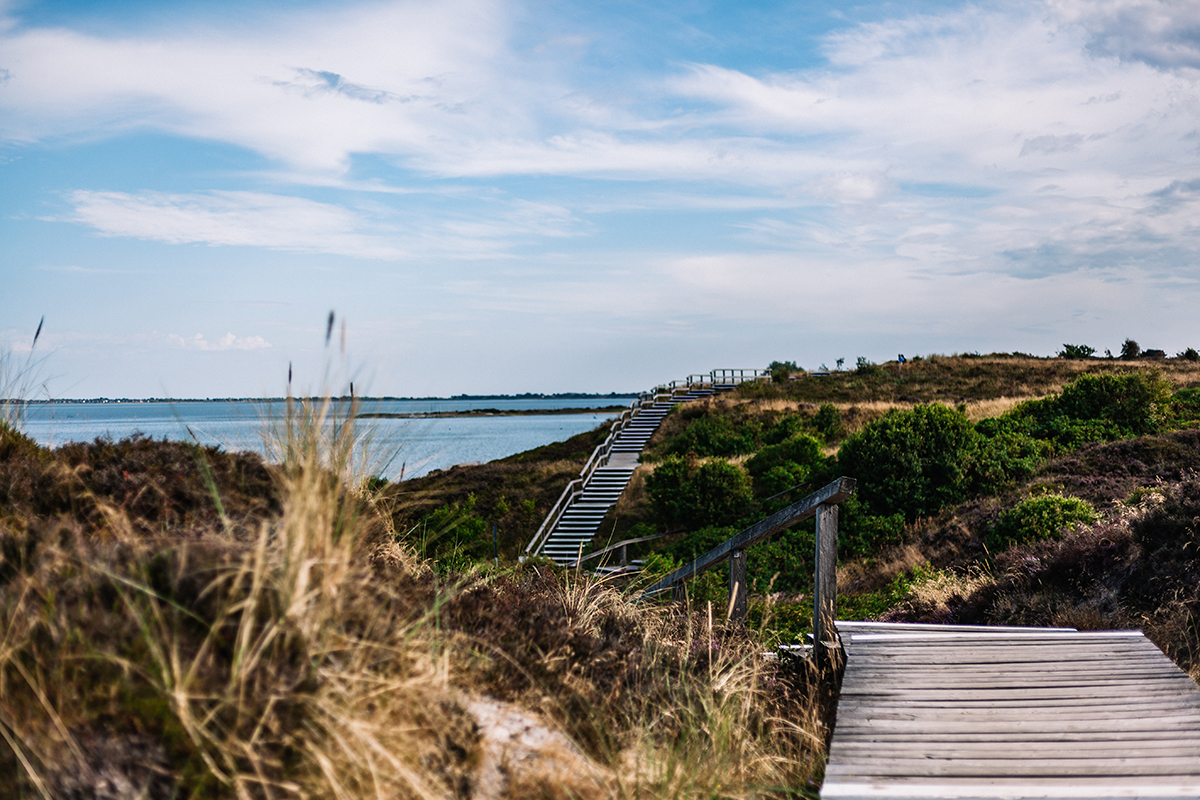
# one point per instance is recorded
(184, 622)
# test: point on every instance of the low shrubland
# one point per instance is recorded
(192, 623)
(182, 622)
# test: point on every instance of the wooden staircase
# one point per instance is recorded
(575, 519)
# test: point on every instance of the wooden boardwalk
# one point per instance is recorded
(940, 711)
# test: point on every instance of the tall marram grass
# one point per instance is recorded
(18, 377)
(310, 654)
(276, 662)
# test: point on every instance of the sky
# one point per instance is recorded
(497, 196)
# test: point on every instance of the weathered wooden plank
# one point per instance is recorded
(868, 626)
(1009, 718)
(1020, 714)
(1095, 681)
(999, 671)
(1098, 705)
(1050, 739)
(825, 584)
(851, 752)
(976, 645)
(1027, 767)
(997, 658)
(882, 724)
(988, 789)
(1033, 693)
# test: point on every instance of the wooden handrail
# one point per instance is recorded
(622, 544)
(597, 459)
(600, 455)
(568, 493)
(821, 504)
(801, 510)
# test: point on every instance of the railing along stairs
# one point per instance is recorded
(575, 517)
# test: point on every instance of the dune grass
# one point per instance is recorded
(178, 622)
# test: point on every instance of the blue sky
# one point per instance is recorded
(504, 197)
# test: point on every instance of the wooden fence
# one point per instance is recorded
(821, 504)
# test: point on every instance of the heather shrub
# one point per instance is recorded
(1173, 524)
(1037, 518)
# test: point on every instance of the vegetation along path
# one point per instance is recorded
(940, 711)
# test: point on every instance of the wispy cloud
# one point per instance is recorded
(282, 222)
(231, 218)
(984, 164)
(227, 342)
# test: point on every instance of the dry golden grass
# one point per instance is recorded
(984, 409)
(856, 575)
(314, 656)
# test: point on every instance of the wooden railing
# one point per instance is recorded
(599, 456)
(821, 504)
(623, 547)
(597, 459)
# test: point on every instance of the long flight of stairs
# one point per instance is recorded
(580, 521)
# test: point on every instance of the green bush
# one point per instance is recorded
(715, 435)
(1098, 408)
(788, 426)
(911, 462)
(1185, 407)
(781, 370)
(780, 478)
(861, 534)
(801, 450)
(454, 536)
(690, 494)
(828, 422)
(1004, 457)
(864, 367)
(1041, 517)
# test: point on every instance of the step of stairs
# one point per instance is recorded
(581, 520)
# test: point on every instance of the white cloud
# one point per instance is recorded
(1011, 142)
(231, 218)
(1162, 33)
(226, 342)
(280, 222)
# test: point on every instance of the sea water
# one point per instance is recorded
(402, 447)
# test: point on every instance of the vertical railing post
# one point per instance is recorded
(825, 590)
(737, 584)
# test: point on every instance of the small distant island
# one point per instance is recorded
(489, 412)
(363, 399)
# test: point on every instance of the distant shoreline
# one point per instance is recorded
(490, 412)
(347, 398)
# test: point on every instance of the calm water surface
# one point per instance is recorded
(413, 447)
